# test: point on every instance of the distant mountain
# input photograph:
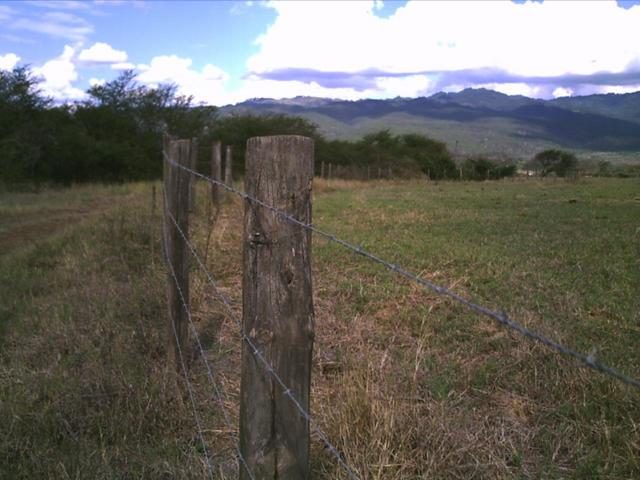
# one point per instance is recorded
(484, 98)
(476, 120)
(624, 106)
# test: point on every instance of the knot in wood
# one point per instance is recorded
(258, 239)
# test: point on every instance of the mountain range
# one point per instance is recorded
(478, 121)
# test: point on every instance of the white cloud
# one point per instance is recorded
(101, 52)
(619, 88)
(206, 86)
(562, 92)
(123, 66)
(58, 76)
(507, 41)
(55, 24)
(8, 61)
(97, 82)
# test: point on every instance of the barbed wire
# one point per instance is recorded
(589, 361)
(268, 367)
(186, 377)
(217, 392)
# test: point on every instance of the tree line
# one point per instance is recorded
(115, 135)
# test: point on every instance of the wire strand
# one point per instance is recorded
(589, 361)
(217, 391)
(268, 367)
(186, 378)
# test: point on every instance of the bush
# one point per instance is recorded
(481, 168)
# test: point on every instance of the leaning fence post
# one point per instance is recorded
(177, 186)
(277, 308)
(216, 173)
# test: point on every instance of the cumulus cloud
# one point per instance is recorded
(97, 82)
(58, 75)
(8, 61)
(206, 85)
(532, 48)
(101, 52)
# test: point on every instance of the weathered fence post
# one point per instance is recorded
(177, 184)
(228, 166)
(277, 308)
(153, 199)
(216, 174)
(330, 164)
(322, 170)
(193, 165)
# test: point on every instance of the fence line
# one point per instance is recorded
(589, 361)
(268, 367)
(184, 371)
(218, 396)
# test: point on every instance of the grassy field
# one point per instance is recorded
(407, 384)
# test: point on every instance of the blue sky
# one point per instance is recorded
(224, 52)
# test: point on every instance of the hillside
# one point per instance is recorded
(478, 120)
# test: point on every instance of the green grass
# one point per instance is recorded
(418, 386)
(561, 258)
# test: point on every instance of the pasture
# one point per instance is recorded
(406, 383)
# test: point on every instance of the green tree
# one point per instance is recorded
(235, 130)
(127, 120)
(21, 124)
(555, 161)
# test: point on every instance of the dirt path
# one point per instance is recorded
(19, 230)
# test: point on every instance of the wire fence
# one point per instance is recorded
(588, 361)
(267, 366)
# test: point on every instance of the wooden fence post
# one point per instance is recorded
(177, 185)
(216, 174)
(322, 170)
(193, 165)
(329, 170)
(228, 166)
(277, 308)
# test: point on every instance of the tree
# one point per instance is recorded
(432, 156)
(127, 121)
(555, 161)
(235, 130)
(22, 108)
